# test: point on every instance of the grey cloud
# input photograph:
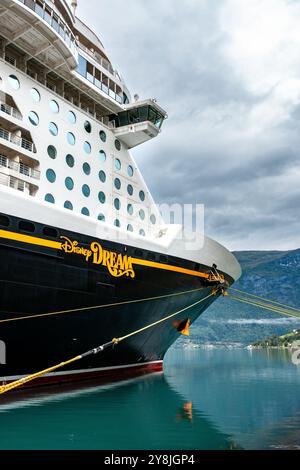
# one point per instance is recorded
(208, 153)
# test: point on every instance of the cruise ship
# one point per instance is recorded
(86, 255)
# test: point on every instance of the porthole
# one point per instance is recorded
(4, 221)
(26, 226)
(102, 136)
(86, 168)
(33, 118)
(50, 232)
(101, 217)
(142, 195)
(142, 233)
(85, 211)
(102, 176)
(71, 117)
(35, 95)
(130, 190)
(53, 129)
(50, 198)
(118, 145)
(102, 197)
(153, 219)
(88, 127)
(70, 160)
(142, 214)
(68, 205)
(130, 170)
(51, 176)
(118, 183)
(102, 156)
(14, 82)
(52, 152)
(129, 228)
(117, 204)
(71, 138)
(69, 183)
(54, 106)
(130, 209)
(87, 147)
(86, 190)
(117, 223)
(118, 164)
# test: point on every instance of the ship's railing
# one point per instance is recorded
(100, 60)
(14, 183)
(42, 9)
(19, 167)
(5, 108)
(15, 139)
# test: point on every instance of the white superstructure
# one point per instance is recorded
(67, 124)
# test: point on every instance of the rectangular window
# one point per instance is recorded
(55, 23)
(90, 72)
(48, 15)
(82, 67)
(39, 8)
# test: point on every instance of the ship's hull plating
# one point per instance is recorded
(56, 304)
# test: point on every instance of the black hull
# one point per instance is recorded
(43, 289)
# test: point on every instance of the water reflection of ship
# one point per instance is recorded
(253, 396)
(140, 414)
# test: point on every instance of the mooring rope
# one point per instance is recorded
(115, 341)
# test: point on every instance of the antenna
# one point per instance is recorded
(74, 5)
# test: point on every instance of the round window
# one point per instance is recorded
(70, 161)
(142, 195)
(130, 228)
(87, 147)
(86, 190)
(102, 156)
(102, 176)
(88, 127)
(14, 82)
(54, 106)
(118, 164)
(35, 95)
(69, 183)
(71, 117)
(68, 205)
(142, 214)
(71, 138)
(118, 145)
(102, 197)
(101, 217)
(86, 168)
(130, 209)
(153, 219)
(102, 136)
(118, 183)
(85, 211)
(33, 118)
(142, 233)
(51, 176)
(52, 152)
(53, 129)
(117, 204)
(130, 170)
(130, 190)
(50, 198)
(117, 223)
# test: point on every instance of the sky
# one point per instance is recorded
(228, 74)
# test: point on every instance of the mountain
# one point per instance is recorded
(270, 274)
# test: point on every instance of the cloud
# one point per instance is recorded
(228, 73)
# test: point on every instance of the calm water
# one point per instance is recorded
(206, 399)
